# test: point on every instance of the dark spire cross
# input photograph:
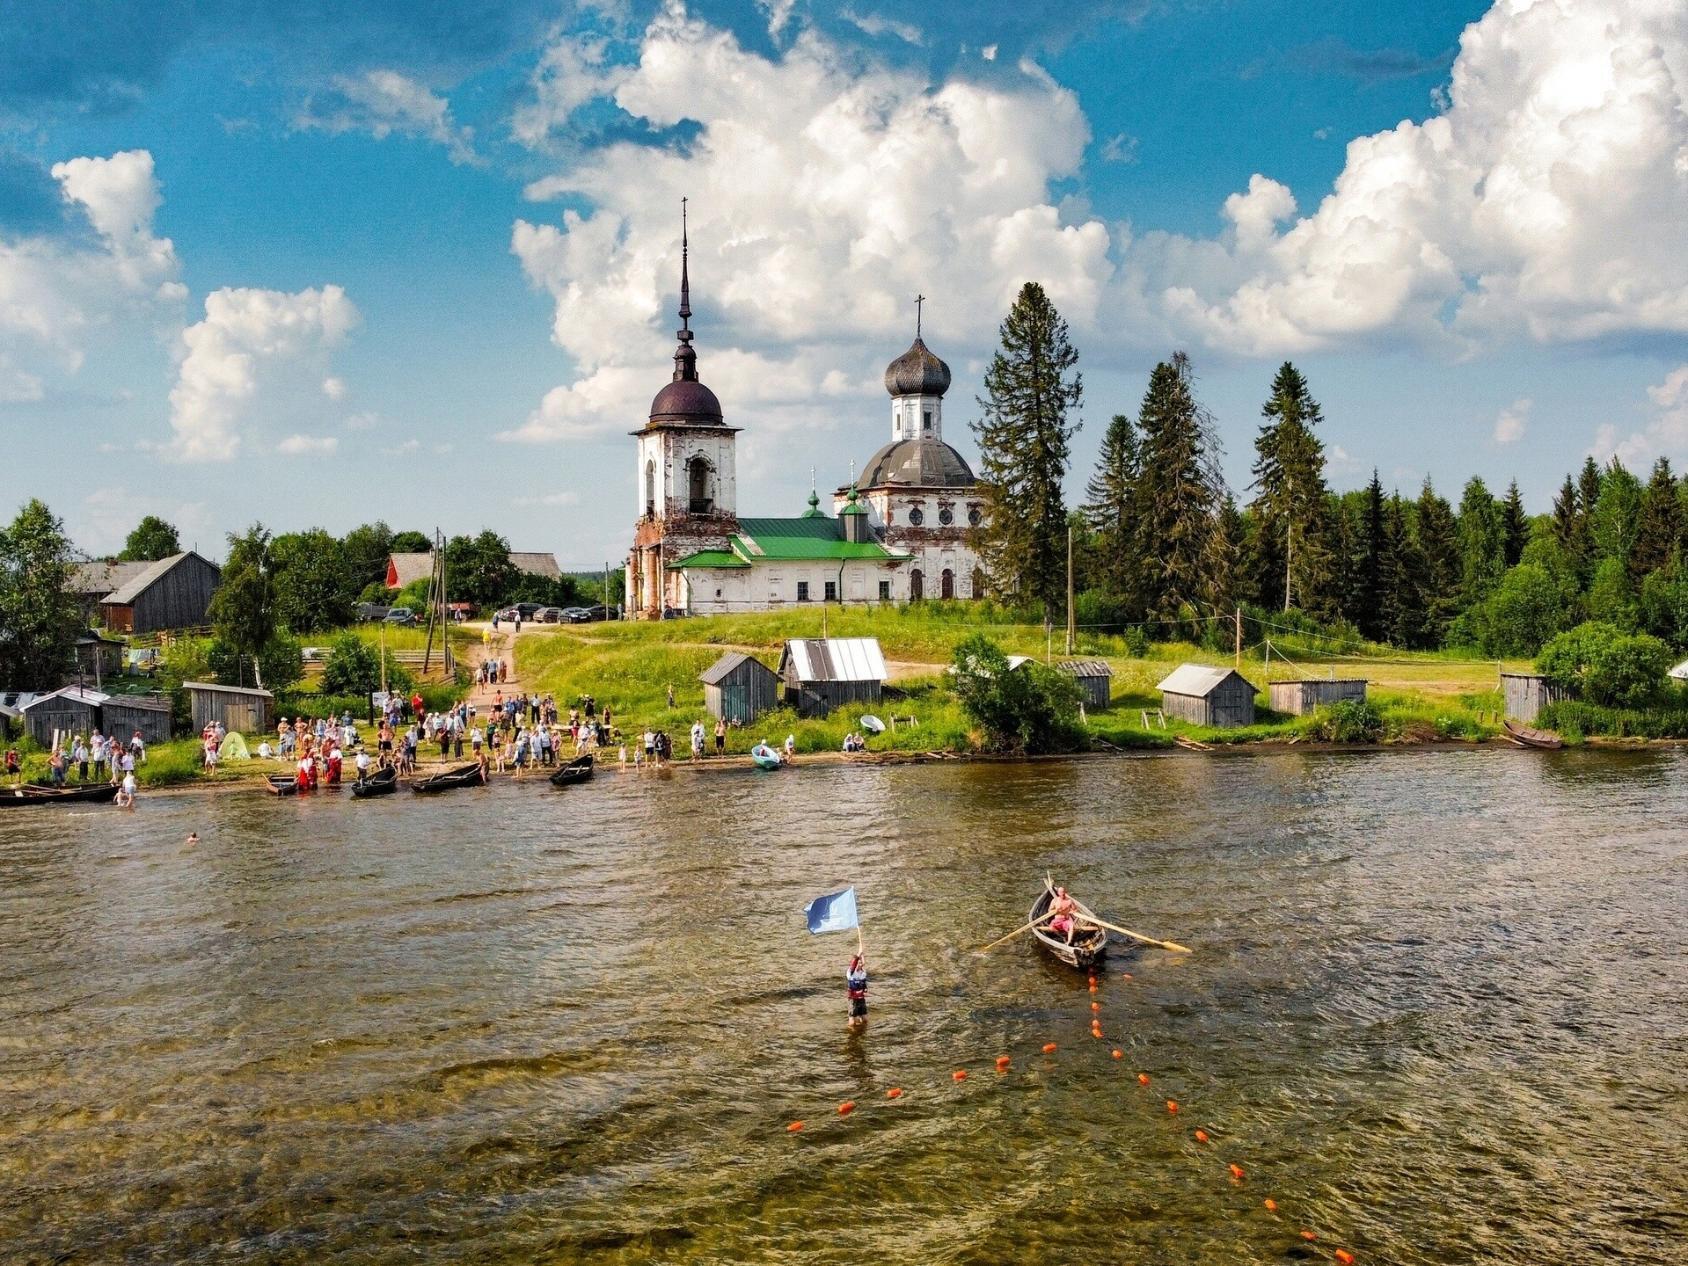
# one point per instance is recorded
(918, 300)
(685, 279)
(685, 359)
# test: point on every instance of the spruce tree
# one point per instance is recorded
(1565, 519)
(1289, 477)
(1108, 511)
(1031, 386)
(1659, 531)
(1371, 584)
(1589, 480)
(1437, 535)
(1514, 525)
(1176, 495)
(1404, 579)
(1482, 545)
(1230, 556)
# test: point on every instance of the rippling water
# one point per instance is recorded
(1438, 1012)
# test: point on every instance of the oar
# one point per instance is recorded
(1015, 933)
(1136, 936)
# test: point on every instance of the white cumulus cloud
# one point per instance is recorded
(308, 446)
(1664, 433)
(1513, 420)
(385, 103)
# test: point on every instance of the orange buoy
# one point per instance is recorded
(959, 1074)
(1309, 1236)
(1002, 1062)
(1237, 1172)
(846, 1108)
(1095, 1006)
(1142, 1079)
(895, 1092)
(1118, 1054)
(1172, 1106)
(1201, 1136)
(794, 1127)
(1271, 1204)
(1049, 1048)
(1345, 1257)
(1093, 986)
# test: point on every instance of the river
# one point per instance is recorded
(1437, 1012)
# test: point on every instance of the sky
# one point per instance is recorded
(312, 265)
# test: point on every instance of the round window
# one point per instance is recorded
(946, 516)
(916, 517)
(974, 517)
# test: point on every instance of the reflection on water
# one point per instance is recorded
(1437, 1010)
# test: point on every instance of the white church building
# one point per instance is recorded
(899, 533)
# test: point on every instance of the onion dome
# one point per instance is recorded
(852, 503)
(917, 372)
(685, 399)
(922, 463)
(814, 511)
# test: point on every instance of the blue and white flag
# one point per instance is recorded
(835, 912)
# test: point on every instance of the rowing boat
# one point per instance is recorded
(764, 757)
(577, 770)
(1525, 736)
(282, 785)
(462, 776)
(383, 782)
(38, 793)
(1089, 942)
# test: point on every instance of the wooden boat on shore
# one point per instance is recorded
(764, 757)
(450, 780)
(41, 793)
(282, 785)
(1089, 942)
(383, 782)
(577, 770)
(1525, 736)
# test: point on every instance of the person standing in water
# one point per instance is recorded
(855, 983)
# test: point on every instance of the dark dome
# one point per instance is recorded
(685, 400)
(917, 372)
(918, 463)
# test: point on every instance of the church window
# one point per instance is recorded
(916, 516)
(916, 585)
(832, 591)
(946, 584)
(650, 490)
(978, 582)
(975, 517)
(885, 591)
(802, 591)
(697, 471)
(926, 421)
(946, 516)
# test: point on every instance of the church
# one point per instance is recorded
(899, 533)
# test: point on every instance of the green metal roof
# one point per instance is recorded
(710, 558)
(798, 540)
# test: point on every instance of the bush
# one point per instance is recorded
(1603, 665)
(1136, 643)
(1351, 721)
(1029, 710)
(1574, 718)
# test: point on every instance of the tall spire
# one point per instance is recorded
(685, 357)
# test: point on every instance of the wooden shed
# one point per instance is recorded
(173, 593)
(239, 708)
(98, 657)
(821, 674)
(73, 710)
(1094, 678)
(737, 689)
(1298, 698)
(1204, 695)
(1528, 693)
(150, 714)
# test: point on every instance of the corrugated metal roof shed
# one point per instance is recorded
(837, 659)
(228, 690)
(1085, 667)
(1193, 679)
(76, 694)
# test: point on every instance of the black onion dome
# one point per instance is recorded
(685, 400)
(917, 372)
(917, 463)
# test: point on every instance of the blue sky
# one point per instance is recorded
(313, 267)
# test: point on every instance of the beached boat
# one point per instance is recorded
(577, 770)
(450, 780)
(1089, 943)
(383, 782)
(282, 785)
(1525, 736)
(764, 757)
(40, 793)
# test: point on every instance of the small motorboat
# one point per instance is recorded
(577, 770)
(764, 757)
(450, 780)
(282, 785)
(1525, 736)
(383, 782)
(872, 724)
(1089, 943)
(42, 793)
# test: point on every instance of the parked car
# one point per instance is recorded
(370, 611)
(576, 615)
(505, 613)
(526, 609)
(601, 612)
(550, 615)
(400, 615)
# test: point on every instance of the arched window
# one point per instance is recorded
(978, 582)
(916, 585)
(946, 584)
(697, 478)
(650, 490)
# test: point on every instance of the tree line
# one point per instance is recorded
(1161, 541)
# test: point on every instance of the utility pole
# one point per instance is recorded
(1072, 616)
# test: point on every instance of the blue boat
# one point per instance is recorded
(764, 757)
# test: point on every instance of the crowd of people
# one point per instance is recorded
(97, 758)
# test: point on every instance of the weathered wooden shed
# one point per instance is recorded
(150, 714)
(821, 674)
(737, 689)
(1094, 678)
(173, 593)
(1298, 698)
(239, 708)
(98, 657)
(1204, 695)
(73, 710)
(1528, 693)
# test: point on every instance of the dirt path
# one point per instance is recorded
(501, 645)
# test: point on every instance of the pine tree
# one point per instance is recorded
(1482, 546)
(1565, 519)
(1514, 525)
(1404, 579)
(1023, 437)
(1589, 481)
(1437, 535)
(1108, 511)
(1289, 476)
(1176, 495)
(1371, 562)
(1659, 531)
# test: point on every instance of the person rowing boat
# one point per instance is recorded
(1063, 915)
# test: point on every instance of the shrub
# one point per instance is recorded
(1575, 718)
(1136, 642)
(1603, 665)
(1029, 710)
(1351, 721)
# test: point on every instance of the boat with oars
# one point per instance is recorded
(1528, 736)
(1089, 943)
(450, 780)
(383, 782)
(282, 785)
(577, 770)
(41, 793)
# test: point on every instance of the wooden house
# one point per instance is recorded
(1204, 695)
(1298, 698)
(820, 674)
(737, 689)
(1528, 693)
(173, 593)
(239, 708)
(150, 714)
(1094, 678)
(72, 710)
(89, 583)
